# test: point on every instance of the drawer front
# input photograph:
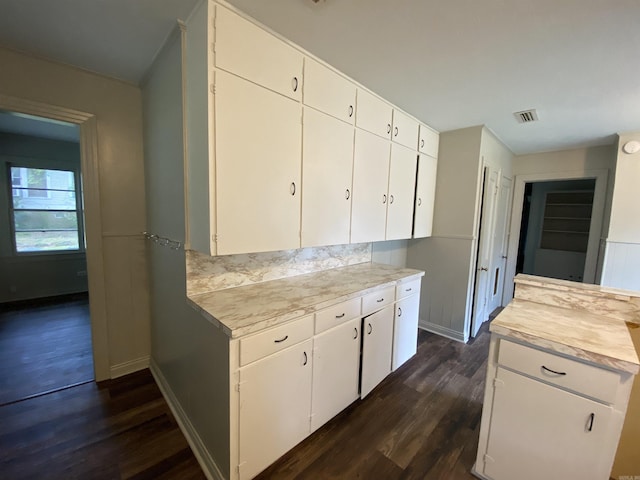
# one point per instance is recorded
(579, 377)
(407, 288)
(338, 314)
(262, 344)
(376, 300)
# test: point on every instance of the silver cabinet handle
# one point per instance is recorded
(294, 84)
(292, 188)
(419, 201)
(422, 143)
(388, 128)
(281, 340)
(553, 371)
(306, 359)
(355, 333)
(347, 194)
(350, 111)
(390, 199)
(395, 132)
(384, 198)
(370, 330)
(399, 311)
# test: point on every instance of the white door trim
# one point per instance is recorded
(595, 229)
(93, 217)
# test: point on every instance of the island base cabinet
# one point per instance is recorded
(336, 369)
(275, 407)
(377, 342)
(542, 432)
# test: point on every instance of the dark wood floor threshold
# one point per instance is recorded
(40, 394)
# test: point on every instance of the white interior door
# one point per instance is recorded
(499, 250)
(483, 262)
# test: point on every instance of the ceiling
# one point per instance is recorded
(451, 64)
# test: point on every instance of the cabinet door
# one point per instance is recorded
(373, 115)
(336, 369)
(428, 142)
(247, 50)
(327, 160)
(402, 185)
(257, 163)
(405, 330)
(329, 92)
(539, 431)
(405, 130)
(275, 405)
(370, 184)
(377, 340)
(425, 196)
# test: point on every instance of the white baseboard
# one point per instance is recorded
(131, 366)
(208, 465)
(443, 331)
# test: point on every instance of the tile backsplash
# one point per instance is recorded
(207, 274)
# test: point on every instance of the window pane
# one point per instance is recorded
(39, 241)
(29, 199)
(26, 220)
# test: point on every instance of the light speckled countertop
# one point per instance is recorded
(248, 309)
(568, 327)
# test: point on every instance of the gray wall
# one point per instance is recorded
(32, 276)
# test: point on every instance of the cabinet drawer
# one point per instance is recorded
(579, 377)
(376, 300)
(337, 314)
(407, 288)
(265, 343)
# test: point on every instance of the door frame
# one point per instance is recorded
(593, 256)
(93, 217)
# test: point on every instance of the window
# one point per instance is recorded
(46, 216)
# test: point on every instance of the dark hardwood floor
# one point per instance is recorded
(422, 422)
(44, 345)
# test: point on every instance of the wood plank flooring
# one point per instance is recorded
(422, 422)
(44, 345)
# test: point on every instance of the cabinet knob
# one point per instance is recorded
(592, 417)
(395, 132)
(388, 128)
(355, 333)
(390, 199)
(347, 194)
(370, 330)
(422, 143)
(384, 198)
(350, 111)
(292, 188)
(306, 359)
(399, 311)
(294, 84)
(281, 340)
(553, 371)
(340, 316)
(419, 201)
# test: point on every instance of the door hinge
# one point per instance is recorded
(497, 383)
(239, 467)
(212, 88)
(214, 238)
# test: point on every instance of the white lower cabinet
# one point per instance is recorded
(405, 329)
(336, 367)
(275, 406)
(377, 345)
(539, 431)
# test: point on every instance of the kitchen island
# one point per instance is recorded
(560, 370)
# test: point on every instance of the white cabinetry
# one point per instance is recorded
(336, 367)
(370, 184)
(258, 201)
(373, 114)
(377, 340)
(327, 164)
(405, 130)
(328, 91)
(405, 324)
(275, 404)
(402, 180)
(428, 141)
(425, 196)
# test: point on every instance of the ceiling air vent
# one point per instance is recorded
(526, 116)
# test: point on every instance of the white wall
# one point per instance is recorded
(33, 276)
(622, 258)
(118, 110)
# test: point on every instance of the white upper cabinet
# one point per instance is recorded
(425, 196)
(327, 164)
(370, 184)
(373, 114)
(255, 54)
(257, 150)
(328, 91)
(402, 181)
(428, 142)
(405, 130)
